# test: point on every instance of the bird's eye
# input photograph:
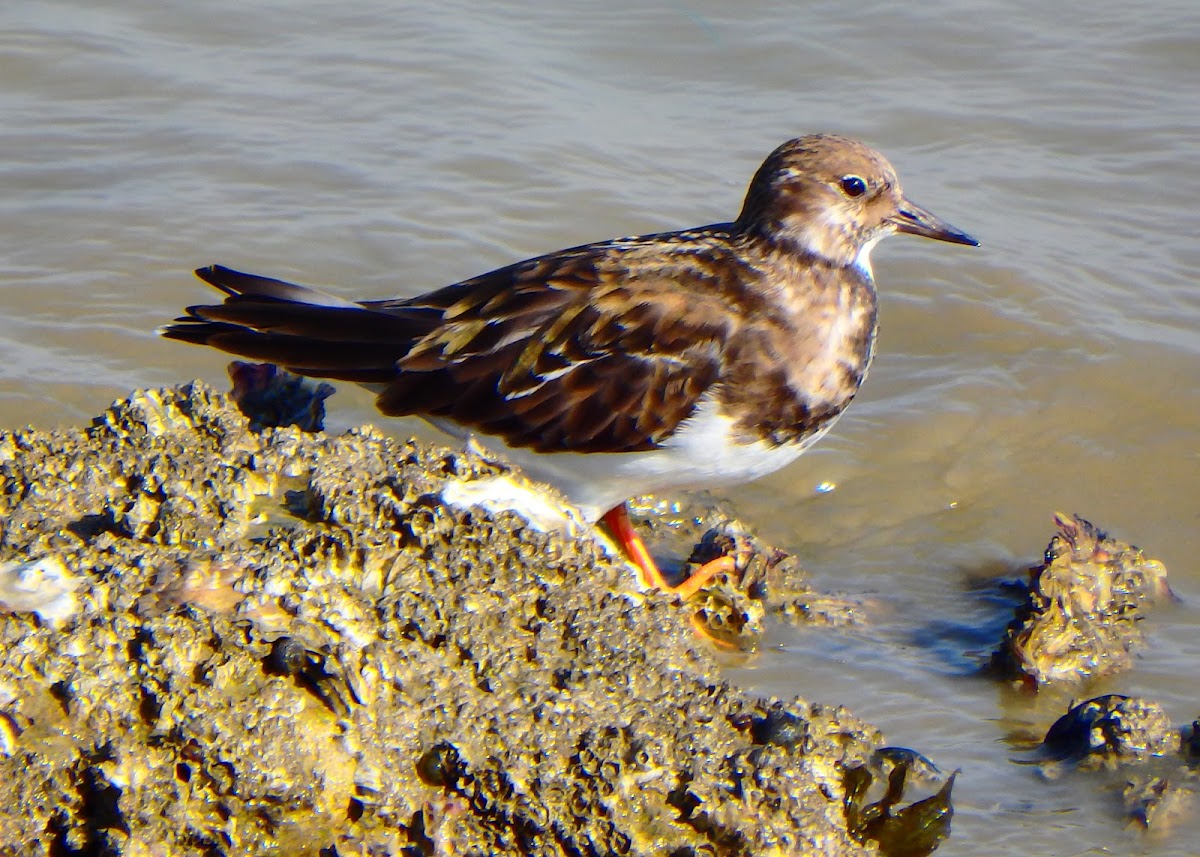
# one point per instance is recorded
(853, 186)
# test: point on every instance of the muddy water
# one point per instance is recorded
(390, 148)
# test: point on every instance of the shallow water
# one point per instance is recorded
(384, 149)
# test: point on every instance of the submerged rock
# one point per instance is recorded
(1134, 741)
(1156, 801)
(1082, 608)
(289, 643)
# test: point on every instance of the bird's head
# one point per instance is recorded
(834, 198)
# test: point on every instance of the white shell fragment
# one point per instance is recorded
(42, 586)
(511, 492)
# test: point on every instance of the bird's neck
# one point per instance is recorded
(809, 241)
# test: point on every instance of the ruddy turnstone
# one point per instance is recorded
(706, 357)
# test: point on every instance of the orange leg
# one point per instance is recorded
(617, 522)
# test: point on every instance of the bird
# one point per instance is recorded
(700, 358)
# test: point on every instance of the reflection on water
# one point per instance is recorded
(385, 149)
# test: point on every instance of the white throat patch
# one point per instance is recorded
(863, 260)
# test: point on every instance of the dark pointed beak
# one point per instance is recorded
(915, 220)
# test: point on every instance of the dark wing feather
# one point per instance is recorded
(599, 348)
(589, 351)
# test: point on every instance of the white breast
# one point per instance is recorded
(702, 453)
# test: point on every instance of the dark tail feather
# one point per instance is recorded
(240, 285)
(324, 323)
(304, 330)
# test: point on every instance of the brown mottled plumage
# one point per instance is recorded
(707, 356)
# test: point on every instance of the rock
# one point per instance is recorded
(1110, 729)
(289, 643)
(1082, 608)
(1133, 740)
(767, 581)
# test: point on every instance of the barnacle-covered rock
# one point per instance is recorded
(272, 397)
(1111, 729)
(1080, 618)
(290, 643)
(764, 580)
(1133, 740)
